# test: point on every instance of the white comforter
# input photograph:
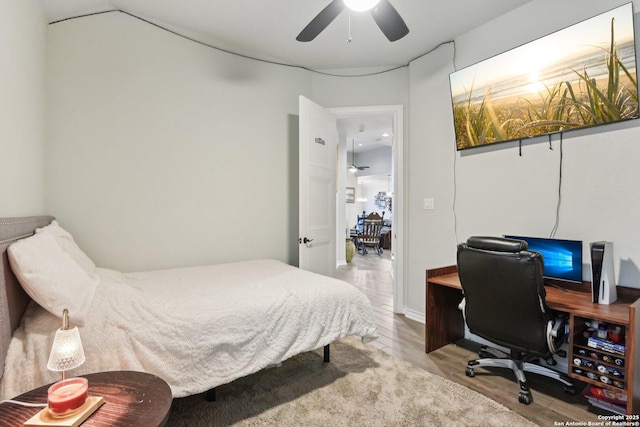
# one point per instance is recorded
(196, 328)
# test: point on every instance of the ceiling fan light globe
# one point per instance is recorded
(360, 5)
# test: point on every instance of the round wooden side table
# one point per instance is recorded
(130, 399)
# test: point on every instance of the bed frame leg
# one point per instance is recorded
(211, 395)
(326, 354)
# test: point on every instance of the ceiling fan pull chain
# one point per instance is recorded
(349, 38)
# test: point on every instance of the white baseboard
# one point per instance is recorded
(415, 315)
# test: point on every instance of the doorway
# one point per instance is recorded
(394, 113)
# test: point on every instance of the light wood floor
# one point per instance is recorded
(404, 338)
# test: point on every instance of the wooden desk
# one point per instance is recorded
(131, 399)
(444, 323)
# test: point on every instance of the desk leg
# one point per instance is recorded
(443, 320)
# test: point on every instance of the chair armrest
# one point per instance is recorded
(556, 333)
(461, 307)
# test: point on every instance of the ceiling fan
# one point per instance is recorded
(385, 15)
(354, 168)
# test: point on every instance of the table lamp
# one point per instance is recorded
(68, 400)
(67, 395)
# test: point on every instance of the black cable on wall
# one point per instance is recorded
(284, 64)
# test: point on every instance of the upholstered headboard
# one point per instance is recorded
(13, 299)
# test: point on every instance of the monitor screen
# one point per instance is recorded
(562, 258)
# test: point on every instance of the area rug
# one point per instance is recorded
(361, 386)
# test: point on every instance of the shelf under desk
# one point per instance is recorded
(444, 323)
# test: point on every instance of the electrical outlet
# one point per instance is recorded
(429, 203)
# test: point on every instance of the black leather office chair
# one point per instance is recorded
(504, 302)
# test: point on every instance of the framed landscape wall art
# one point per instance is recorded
(581, 76)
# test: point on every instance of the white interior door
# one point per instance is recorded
(317, 211)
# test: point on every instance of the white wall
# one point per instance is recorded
(378, 159)
(165, 152)
(160, 150)
(369, 187)
(352, 209)
(429, 234)
(389, 88)
(497, 191)
(22, 96)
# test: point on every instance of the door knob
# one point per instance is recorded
(305, 240)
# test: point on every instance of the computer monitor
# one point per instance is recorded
(562, 258)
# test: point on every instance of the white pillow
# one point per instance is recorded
(66, 242)
(51, 277)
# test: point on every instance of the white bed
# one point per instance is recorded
(197, 327)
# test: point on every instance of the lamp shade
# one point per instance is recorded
(66, 352)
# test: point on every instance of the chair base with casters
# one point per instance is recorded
(504, 303)
(520, 362)
(519, 366)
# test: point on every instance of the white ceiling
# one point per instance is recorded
(365, 133)
(268, 29)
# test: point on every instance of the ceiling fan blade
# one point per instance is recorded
(321, 21)
(389, 21)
